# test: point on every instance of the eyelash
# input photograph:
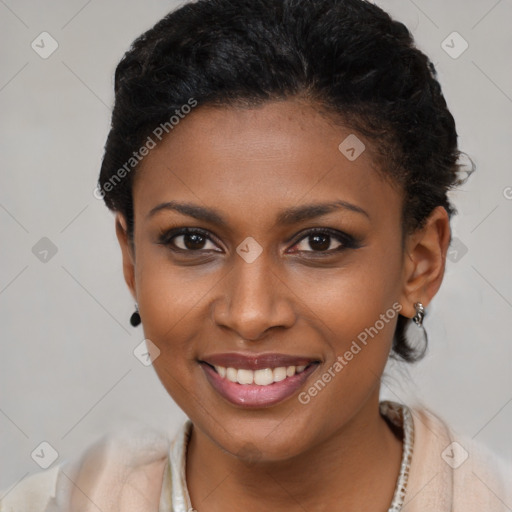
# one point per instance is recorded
(347, 241)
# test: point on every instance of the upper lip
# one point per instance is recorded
(256, 361)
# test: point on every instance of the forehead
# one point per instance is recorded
(250, 163)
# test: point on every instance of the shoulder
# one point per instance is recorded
(123, 470)
(452, 471)
(34, 492)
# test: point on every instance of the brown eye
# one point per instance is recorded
(187, 240)
(319, 242)
(323, 241)
(191, 242)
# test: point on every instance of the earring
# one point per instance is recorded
(420, 313)
(135, 318)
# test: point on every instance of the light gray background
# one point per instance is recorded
(67, 369)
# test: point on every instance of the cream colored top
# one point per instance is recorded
(143, 470)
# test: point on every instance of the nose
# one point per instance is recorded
(255, 299)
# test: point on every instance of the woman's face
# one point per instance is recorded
(254, 289)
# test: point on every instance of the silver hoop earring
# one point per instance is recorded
(420, 314)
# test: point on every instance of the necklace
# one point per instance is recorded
(401, 416)
(176, 497)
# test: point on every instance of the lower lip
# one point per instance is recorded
(252, 395)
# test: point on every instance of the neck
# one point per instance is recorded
(355, 469)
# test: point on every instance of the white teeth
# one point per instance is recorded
(279, 374)
(263, 377)
(221, 370)
(231, 374)
(245, 376)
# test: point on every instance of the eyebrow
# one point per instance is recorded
(289, 216)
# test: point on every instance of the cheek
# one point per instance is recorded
(358, 324)
(358, 308)
(169, 295)
(353, 299)
(168, 304)
(174, 305)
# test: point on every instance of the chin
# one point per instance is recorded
(263, 440)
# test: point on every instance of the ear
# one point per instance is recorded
(127, 254)
(424, 261)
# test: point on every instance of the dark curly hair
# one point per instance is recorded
(348, 57)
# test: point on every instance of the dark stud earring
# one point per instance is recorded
(135, 318)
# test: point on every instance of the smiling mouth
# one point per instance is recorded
(262, 377)
(259, 388)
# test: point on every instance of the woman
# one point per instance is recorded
(279, 172)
